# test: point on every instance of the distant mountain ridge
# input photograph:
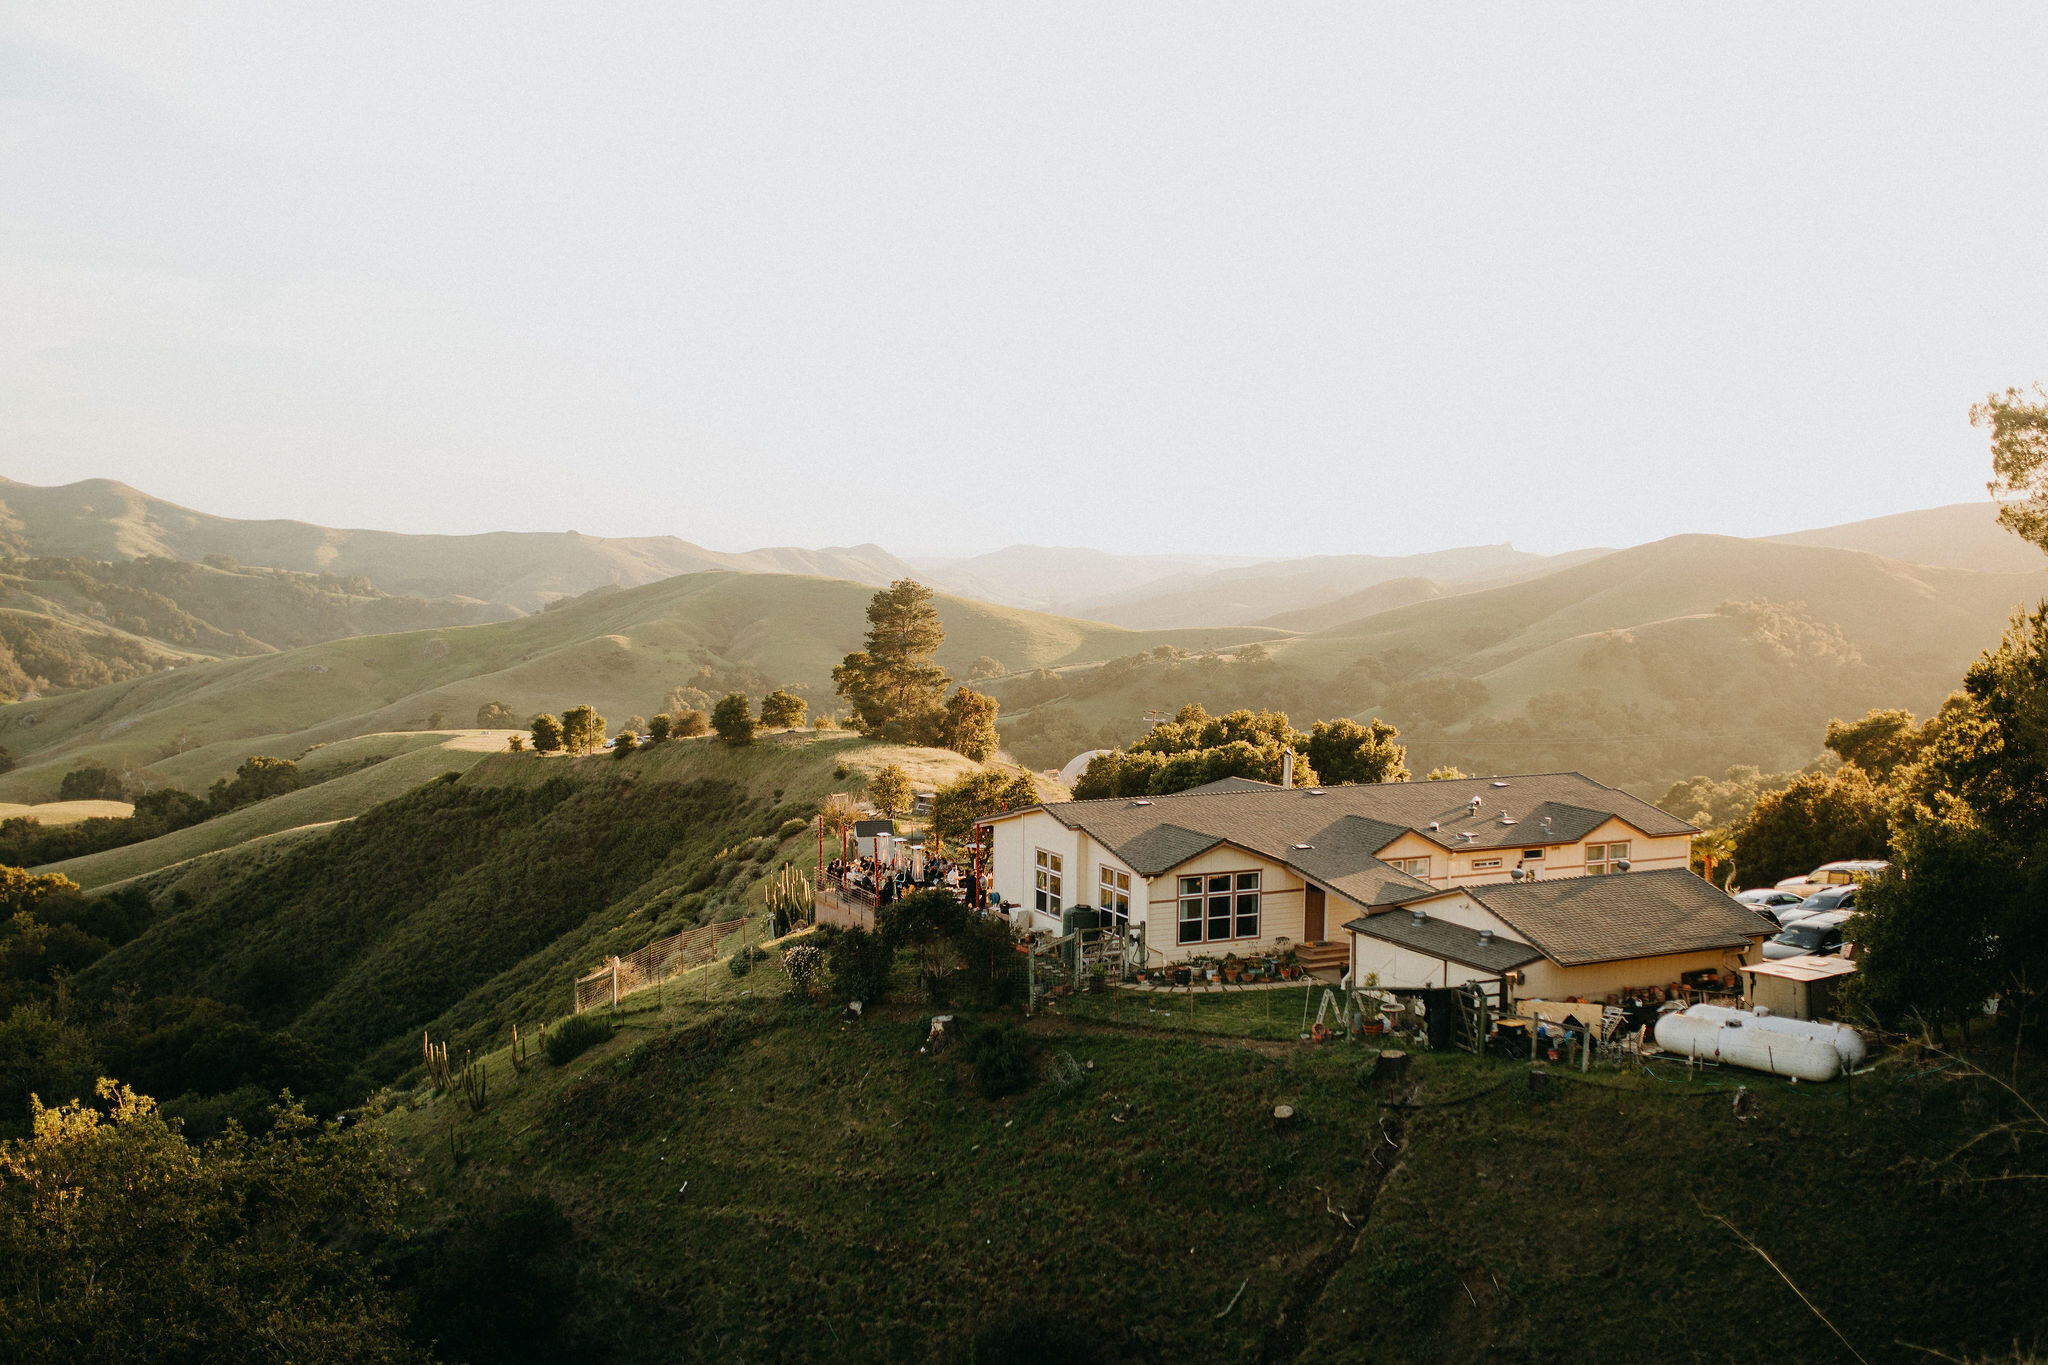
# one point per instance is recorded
(103, 519)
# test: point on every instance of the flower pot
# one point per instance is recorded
(1180, 976)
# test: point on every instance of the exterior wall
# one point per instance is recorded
(1455, 867)
(1546, 980)
(1280, 906)
(1017, 842)
(1398, 966)
(1413, 845)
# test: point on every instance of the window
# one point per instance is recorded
(1532, 855)
(1600, 858)
(1116, 895)
(1482, 864)
(1219, 907)
(1414, 867)
(1046, 882)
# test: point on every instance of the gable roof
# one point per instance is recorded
(1451, 942)
(1332, 835)
(1577, 921)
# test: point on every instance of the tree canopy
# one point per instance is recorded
(733, 718)
(990, 791)
(968, 725)
(893, 683)
(889, 789)
(782, 710)
(1195, 748)
(2018, 422)
(582, 729)
(1818, 819)
(547, 733)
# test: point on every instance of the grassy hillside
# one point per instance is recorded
(754, 1180)
(474, 900)
(101, 519)
(373, 769)
(1640, 668)
(1965, 535)
(621, 652)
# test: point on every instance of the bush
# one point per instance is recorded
(860, 963)
(91, 781)
(1001, 1057)
(792, 827)
(569, 1039)
(743, 961)
(805, 966)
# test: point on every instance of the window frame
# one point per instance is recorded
(1604, 864)
(1113, 893)
(1408, 865)
(1231, 901)
(1048, 882)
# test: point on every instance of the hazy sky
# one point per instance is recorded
(1256, 280)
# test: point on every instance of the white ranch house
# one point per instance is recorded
(1415, 881)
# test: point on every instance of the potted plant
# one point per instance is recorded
(1232, 969)
(1181, 976)
(1098, 979)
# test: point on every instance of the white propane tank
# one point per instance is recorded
(1761, 1041)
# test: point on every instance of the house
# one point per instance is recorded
(1558, 939)
(1237, 865)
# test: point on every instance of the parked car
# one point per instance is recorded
(1814, 936)
(1846, 873)
(1825, 901)
(1770, 902)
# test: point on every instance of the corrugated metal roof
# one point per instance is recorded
(1452, 942)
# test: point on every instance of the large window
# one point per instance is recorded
(1219, 907)
(1601, 858)
(1116, 895)
(1046, 882)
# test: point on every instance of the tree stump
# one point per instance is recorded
(1390, 1067)
(1283, 1116)
(1539, 1082)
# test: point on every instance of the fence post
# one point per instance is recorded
(615, 983)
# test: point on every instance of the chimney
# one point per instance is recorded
(1287, 768)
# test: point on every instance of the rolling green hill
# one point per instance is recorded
(70, 624)
(620, 651)
(475, 899)
(102, 519)
(1640, 668)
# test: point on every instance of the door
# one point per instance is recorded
(1312, 915)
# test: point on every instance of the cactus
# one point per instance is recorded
(788, 897)
(438, 1074)
(474, 1080)
(521, 1057)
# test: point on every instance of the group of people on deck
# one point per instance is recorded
(888, 882)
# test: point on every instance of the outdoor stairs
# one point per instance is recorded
(1328, 958)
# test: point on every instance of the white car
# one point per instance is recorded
(1845, 873)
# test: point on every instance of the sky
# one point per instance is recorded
(1247, 280)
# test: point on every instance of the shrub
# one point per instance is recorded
(569, 1039)
(690, 724)
(1001, 1058)
(860, 962)
(733, 718)
(743, 961)
(792, 827)
(625, 744)
(805, 966)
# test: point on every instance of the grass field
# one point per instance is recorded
(406, 761)
(66, 812)
(753, 1178)
(621, 653)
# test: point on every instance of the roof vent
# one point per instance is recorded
(1476, 802)
(1546, 824)
(1435, 825)
(1485, 937)
(1304, 845)
(1421, 916)
(1141, 803)
(1500, 784)
(1315, 791)
(1507, 819)
(1468, 835)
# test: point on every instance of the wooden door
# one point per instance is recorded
(1312, 915)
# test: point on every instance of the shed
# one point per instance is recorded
(1798, 987)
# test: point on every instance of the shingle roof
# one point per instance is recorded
(1582, 920)
(1345, 827)
(1452, 942)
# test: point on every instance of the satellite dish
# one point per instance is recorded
(1518, 874)
(1621, 864)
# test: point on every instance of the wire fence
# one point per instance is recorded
(661, 960)
(1288, 1010)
